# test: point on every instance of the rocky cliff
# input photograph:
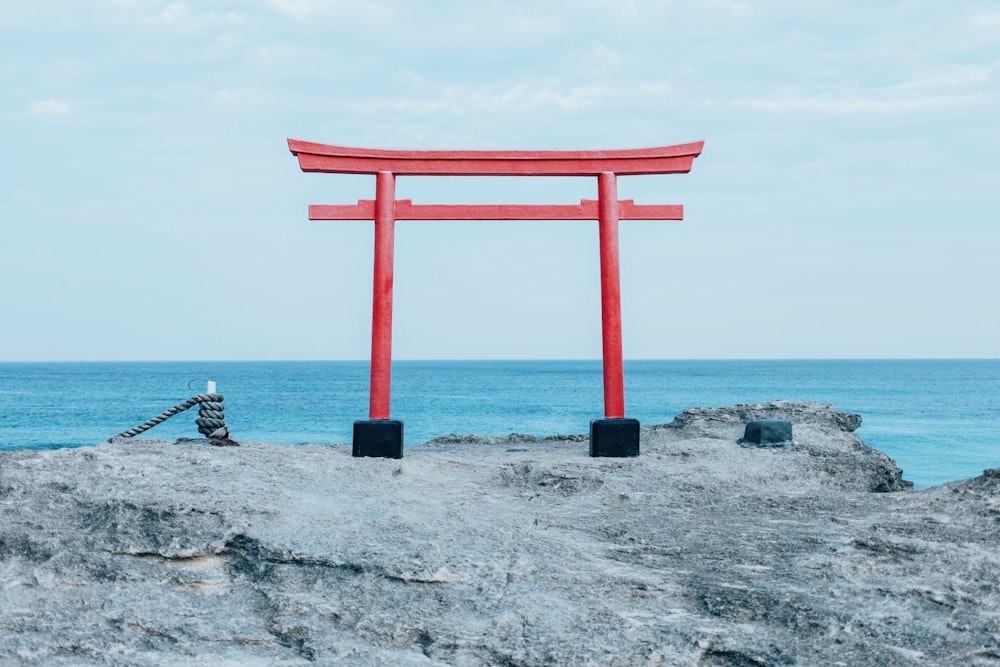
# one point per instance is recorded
(510, 551)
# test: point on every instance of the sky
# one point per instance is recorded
(845, 204)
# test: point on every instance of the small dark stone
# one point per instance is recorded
(767, 433)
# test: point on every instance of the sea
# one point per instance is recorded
(939, 419)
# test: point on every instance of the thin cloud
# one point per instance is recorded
(952, 87)
(50, 108)
(175, 12)
(834, 105)
(312, 9)
(958, 76)
(989, 21)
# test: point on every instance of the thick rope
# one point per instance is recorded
(211, 419)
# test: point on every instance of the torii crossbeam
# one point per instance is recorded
(381, 436)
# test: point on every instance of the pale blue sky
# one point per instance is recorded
(846, 203)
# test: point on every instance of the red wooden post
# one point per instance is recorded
(611, 308)
(385, 226)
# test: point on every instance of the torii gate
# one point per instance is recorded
(381, 436)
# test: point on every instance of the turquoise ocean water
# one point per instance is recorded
(940, 419)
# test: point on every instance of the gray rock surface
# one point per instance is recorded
(509, 551)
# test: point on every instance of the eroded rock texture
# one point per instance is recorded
(499, 551)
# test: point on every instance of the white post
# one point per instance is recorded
(211, 387)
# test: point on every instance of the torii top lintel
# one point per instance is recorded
(676, 159)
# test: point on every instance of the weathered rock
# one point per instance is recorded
(507, 552)
(797, 412)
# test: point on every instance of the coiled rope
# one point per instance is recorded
(211, 419)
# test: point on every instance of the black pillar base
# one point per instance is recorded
(614, 437)
(378, 437)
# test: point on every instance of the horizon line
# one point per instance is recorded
(494, 359)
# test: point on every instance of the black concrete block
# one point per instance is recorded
(614, 437)
(767, 433)
(378, 437)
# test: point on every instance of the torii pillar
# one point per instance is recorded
(379, 435)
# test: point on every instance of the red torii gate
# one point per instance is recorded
(381, 436)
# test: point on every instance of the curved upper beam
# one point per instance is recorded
(629, 162)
